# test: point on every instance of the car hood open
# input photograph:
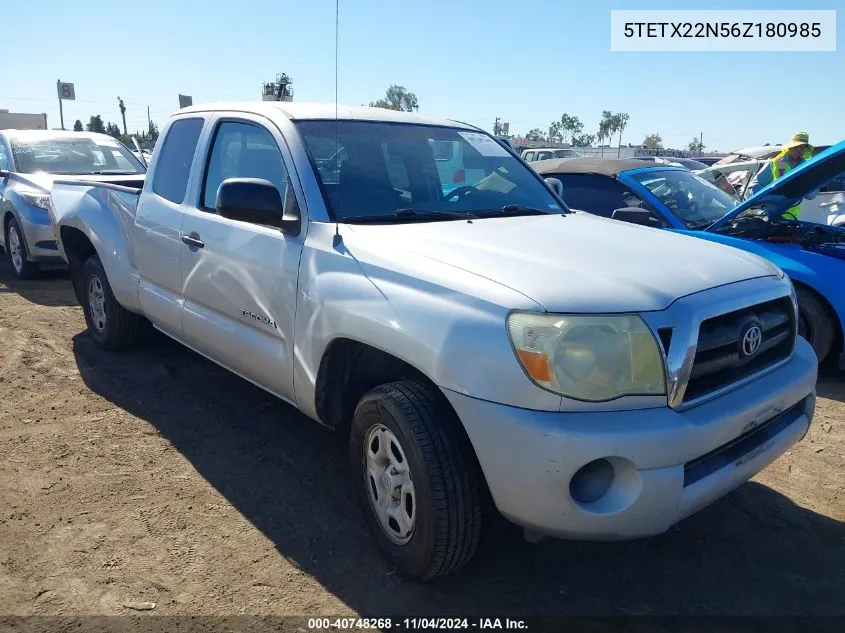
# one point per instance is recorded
(576, 263)
(789, 189)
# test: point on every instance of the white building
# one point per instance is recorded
(22, 121)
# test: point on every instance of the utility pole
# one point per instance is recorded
(700, 143)
(123, 114)
(149, 120)
(61, 112)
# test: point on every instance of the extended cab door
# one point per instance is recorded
(158, 222)
(239, 278)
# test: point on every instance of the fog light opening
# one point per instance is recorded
(592, 481)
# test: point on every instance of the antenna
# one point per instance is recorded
(337, 239)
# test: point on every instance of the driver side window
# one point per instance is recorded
(4, 159)
(242, 150)
(600, 195)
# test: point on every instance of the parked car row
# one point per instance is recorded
(413, 283)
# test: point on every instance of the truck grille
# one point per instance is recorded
(738, 344)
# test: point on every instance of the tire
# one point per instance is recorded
(111, 325)
(18, 252)
(815, 323)
(442, 469)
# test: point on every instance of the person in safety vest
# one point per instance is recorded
(794, 152)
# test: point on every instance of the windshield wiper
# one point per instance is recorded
(112, 172)
(516, 209)
(408, 215)
(697, 226)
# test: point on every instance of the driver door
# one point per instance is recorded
(239, 278)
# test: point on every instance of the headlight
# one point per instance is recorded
(588, 357)
(36, 199)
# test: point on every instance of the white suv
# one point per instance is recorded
(545, 153)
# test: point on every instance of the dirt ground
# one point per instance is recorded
(156, 476)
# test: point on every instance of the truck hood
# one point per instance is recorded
(44, 182)
(789, 189)
(576, 262)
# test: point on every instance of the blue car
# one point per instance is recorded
(664, 196)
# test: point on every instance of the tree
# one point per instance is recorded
(113, 130)
(123, 114)
(583, 140)
(398, 98)
(570, 125)
(77, 127)
(619, 123)
(695, 146)
(653, 141)
(535, 135)
(555, 132)
(95, 124)
(605, 128)
(152, 132)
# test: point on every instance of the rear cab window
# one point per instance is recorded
(173, 168)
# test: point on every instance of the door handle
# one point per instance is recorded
(193, 239)
(829, 204)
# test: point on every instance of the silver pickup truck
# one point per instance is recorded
(599, 380)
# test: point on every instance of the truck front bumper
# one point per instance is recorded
(662, 465)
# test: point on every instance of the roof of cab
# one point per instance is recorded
(300, 110)
(610, 167)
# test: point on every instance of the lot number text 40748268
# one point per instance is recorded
(416, 624)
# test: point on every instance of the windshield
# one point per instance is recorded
(375, 169)
(568, 153)
(692, 199)
(68, 155)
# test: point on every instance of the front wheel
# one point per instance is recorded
(417, 479)
(111, 325)
(17, 251)
(815, 323)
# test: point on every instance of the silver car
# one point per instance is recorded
(30, 162)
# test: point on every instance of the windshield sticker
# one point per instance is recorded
(485, 145)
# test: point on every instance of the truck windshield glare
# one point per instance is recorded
(373, 168)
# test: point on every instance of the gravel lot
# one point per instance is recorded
(156, 476)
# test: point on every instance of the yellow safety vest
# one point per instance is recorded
(781, 166)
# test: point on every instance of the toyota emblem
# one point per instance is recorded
(750, 340)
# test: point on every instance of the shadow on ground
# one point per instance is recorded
(831, 384)
(754, 552)
(51, 288)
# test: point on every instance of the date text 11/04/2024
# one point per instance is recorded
(722, 29)
(416, 624)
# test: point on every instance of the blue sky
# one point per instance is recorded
(526, 61)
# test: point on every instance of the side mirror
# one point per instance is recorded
(556, 185)
(256, 201)
(4, 173)
(636, 215)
